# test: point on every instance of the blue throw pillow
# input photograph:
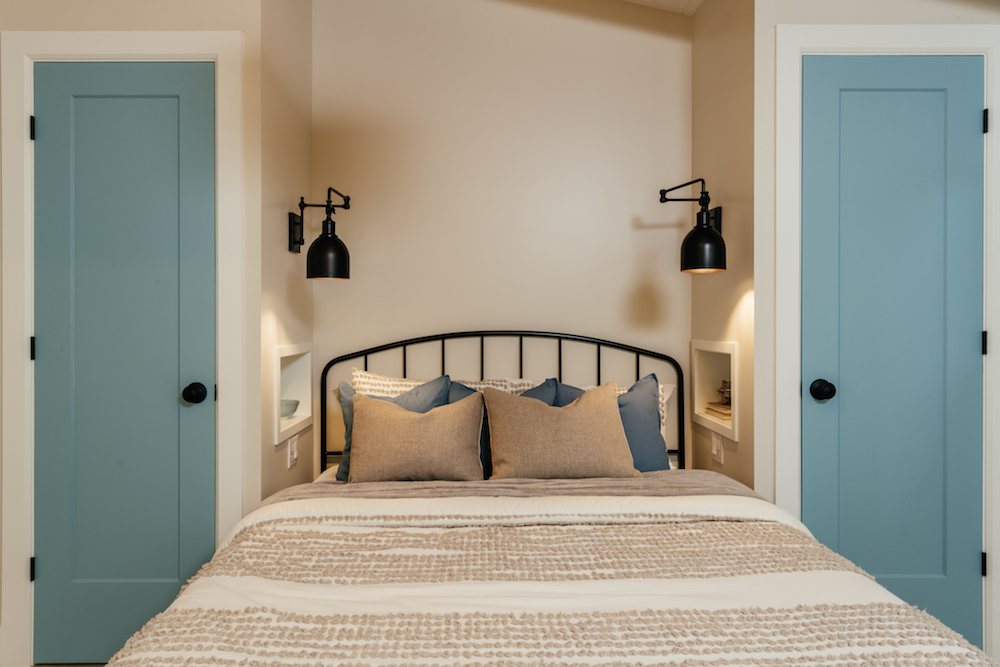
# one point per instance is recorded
(545, 392)
(640, 411)
(424, 398)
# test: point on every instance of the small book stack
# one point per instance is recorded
(719, 410)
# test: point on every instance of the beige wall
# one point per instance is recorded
(722, 303)
(767, 15)
(504, 160)
(286, 295)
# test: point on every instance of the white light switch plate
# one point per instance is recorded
(717, 448)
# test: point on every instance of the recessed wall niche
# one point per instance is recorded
(292, 381)
(712, 364)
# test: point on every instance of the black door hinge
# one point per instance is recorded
(31, 574)
(32, 348)
(216, 392)
(986, 121)
(984, 342)
(32, 128)
(984, 563)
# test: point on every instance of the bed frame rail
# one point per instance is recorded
(598, 343)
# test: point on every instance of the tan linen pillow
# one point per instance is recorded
(392, 443)
(530, 439)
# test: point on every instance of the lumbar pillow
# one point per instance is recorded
(421, 398)
(530, 439)
(640, 412)
(393, 443)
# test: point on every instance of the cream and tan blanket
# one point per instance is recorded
(513, 579)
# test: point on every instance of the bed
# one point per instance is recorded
(654, 567)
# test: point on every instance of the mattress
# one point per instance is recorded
(674, 568)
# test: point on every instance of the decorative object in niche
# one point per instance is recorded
(725, 393)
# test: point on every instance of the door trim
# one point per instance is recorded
(18, 53)
(793, 42)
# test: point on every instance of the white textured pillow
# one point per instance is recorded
(666, 391)
(375, 384)
(366, 382)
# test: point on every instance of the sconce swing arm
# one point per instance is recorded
(329, 205)
(704, 200)
(296, 235)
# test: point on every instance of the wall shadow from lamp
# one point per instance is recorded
(328, 258)
(640, 223)
(703, 249)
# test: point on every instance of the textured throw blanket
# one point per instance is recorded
(585, 578)
(657, 483)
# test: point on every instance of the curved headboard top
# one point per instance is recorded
(483, 336)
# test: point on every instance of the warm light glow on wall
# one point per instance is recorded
(742, 315)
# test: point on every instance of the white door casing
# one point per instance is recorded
(794, 41)
(18, 52)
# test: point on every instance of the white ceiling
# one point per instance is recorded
(685, 7)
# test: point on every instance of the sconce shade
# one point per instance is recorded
(703, 249)
(328, 257)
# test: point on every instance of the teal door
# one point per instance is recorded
(892, 314)
(124, 321)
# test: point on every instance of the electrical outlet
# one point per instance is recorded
(717, 448)
(293, 450)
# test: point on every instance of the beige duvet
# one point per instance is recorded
(576, 576)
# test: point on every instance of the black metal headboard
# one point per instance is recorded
(520, 335)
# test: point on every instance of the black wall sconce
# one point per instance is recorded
(327, 257)
(703, 249)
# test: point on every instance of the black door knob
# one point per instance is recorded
(194, 393)
(822, 390)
